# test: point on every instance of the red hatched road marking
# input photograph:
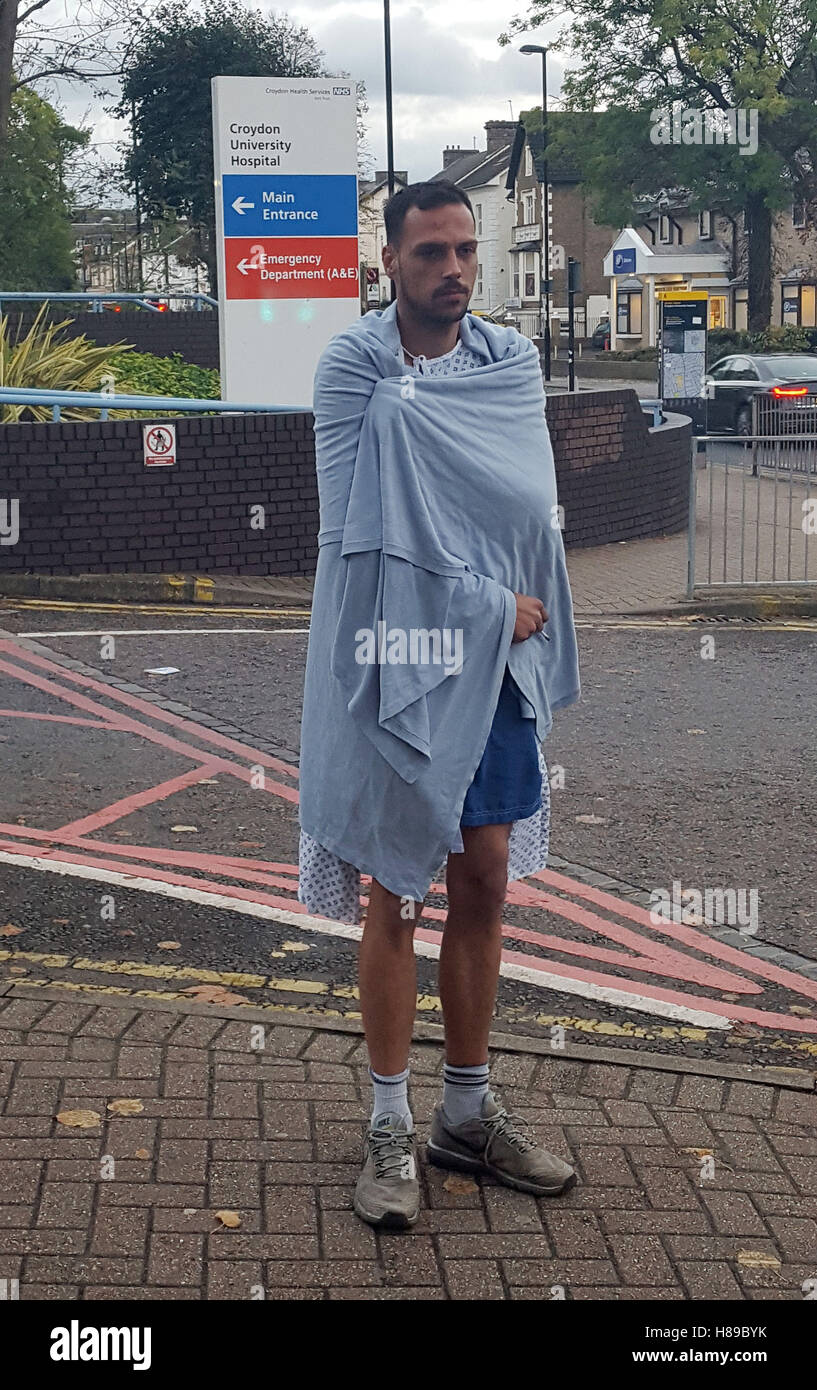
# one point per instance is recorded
(635, 945)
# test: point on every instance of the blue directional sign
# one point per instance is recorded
(289, 205)
(624, 261)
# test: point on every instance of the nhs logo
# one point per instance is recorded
(341, 91)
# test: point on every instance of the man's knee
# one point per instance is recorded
(480, 877)
(387, 912)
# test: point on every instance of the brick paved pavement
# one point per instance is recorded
(127, 1208)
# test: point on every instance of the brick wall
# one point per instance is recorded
(194, 334)
(617, 478)
(87, 504)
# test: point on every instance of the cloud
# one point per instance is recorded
(448, 77)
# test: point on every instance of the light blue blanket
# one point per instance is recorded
(438, 503)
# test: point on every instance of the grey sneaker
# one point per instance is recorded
(491, 1143)
(387, 1191)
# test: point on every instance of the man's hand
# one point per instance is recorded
(531, 616)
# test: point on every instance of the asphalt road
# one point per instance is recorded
(691, 758)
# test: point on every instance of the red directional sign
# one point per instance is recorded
(291, 267)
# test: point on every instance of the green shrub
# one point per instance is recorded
(142, 374)
(722, 342)
(45, 359)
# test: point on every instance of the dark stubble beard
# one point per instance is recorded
(444, 315)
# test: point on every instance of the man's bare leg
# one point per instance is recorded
(387, 975)
(477, 883)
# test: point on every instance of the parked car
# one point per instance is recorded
(600, 337)
(730, 385)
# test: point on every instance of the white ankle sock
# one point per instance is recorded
(391, 1094)
(463, 1091)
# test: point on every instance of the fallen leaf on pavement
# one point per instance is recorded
(700, 1153)
(60, 921)
(168, 945)
(757, 1259)
(229, 1218)
(9, 930)
(460, 1186)
(126, 1107)
(800, 1009)
(276, 953)
(294, 946)
(214, 994)
(79, 1119)
(142, 1153)
(184, 827)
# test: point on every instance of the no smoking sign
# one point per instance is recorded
(159, 445)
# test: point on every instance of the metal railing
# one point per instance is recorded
(100, 400)
(97, 299)
(753, 514)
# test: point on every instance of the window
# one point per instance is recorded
(799, 305)
(705, 225)
(528, 206)
(528, 161)
(717, 311)
(664, 229)
(479, 279)
(798, 214)
(514, 277)
(628, 312)
(478, 217)
(741, 369)
(531, 291)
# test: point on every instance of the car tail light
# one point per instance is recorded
(789, 390)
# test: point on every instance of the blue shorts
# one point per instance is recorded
(507, 784)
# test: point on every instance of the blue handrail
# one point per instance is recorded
(96, 298)
(11, 395)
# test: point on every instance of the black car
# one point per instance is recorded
(788, 378)
(600, 337)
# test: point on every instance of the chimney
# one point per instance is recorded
(452, 153)
(499, 133)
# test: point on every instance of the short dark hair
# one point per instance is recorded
(433, 194)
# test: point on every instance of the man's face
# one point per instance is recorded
(435, 263)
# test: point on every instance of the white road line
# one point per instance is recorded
(697, 1018)
(171, 632)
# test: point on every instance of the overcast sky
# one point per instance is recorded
(449, 74)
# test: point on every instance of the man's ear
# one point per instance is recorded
(389, 260)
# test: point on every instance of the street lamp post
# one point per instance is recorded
(389, 116)
(537, 48)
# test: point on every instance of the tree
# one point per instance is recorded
(36, 249)
(638, 58)
(166, 92)
(33, 48)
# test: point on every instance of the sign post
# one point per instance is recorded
(285, 158)
(682, 352)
